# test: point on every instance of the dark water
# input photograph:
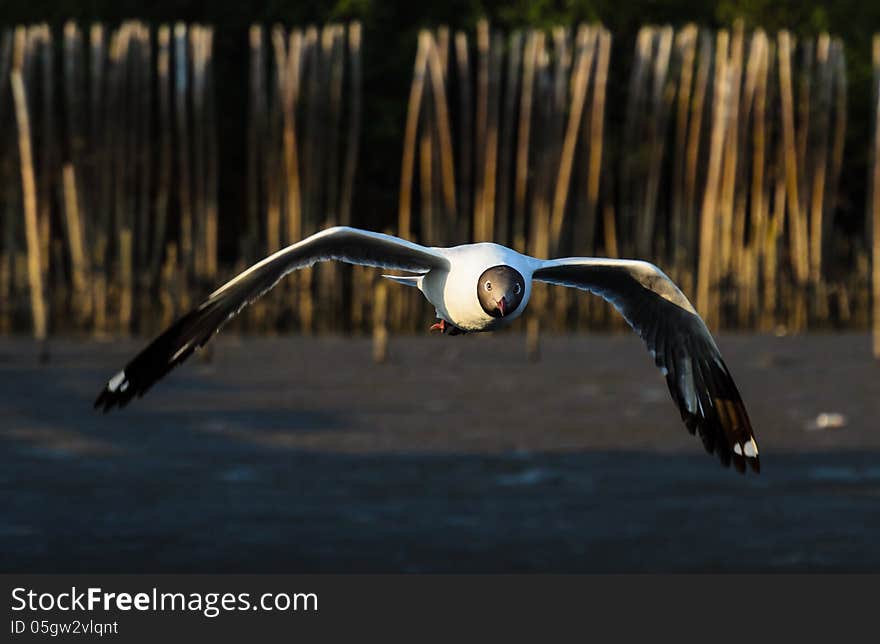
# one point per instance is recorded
(300, 455)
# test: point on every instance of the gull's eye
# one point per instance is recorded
(488, 286)
(516, 289)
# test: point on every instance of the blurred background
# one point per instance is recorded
(151, 153)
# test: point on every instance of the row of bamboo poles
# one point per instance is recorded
(507, 132)
(720, 162)
(723, 169)
(303, 134)
(111, 216)
(116, 150)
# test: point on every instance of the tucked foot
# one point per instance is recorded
(446, 329)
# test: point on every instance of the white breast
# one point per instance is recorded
(454, 294)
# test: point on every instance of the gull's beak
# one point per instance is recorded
(502, 306)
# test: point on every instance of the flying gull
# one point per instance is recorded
(482, 287)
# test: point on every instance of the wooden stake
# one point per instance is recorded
(587, 43)
(465, 155)
(796, 223)
(441, 107)
(522, 141)
(404, 220)
(597, 131)
(508, 125)
(76, 241)
(29, 192)
(708, 215)
(354, 122)
(875, 201)
(181, 91)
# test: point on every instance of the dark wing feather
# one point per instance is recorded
(680, 343)
(198, 326)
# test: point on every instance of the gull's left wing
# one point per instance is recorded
(679, 342)
(194, 329)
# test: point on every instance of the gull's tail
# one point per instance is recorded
(406, 280)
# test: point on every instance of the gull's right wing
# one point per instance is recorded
(679, 342)
(194, 329)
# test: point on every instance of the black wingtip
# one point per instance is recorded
(169, 349)
(118, 392)
(724, 423)
(729, 437)
(115, 393)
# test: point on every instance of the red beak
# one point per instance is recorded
(502, 306)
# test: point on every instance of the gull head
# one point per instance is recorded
(500, 290)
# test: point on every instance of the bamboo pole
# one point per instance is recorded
(331, 274)
(119, 52)
(8, 251)
(6, 42)
(274, 172)
(255, 139)
(289, 82)
(731, 154)
(426, 156)
(838, 61)
(312, 163)
(819, 169)
(181, 91)
(29, 190)
(597, 132)
(275, 158)
(632, 161)
(587, 44)
(354, 122)
(355, 84)
(776, 224)
(404, 220)
(380, 321)
(334, 51)
(442, 40)
(465, 154)
(426, 174)
(444, 130)
(798, 233)
(661, 99)
(163, 177)
(490, 173)
(561, 82)
(145, 177)
(708, 215)
(803, 125)
(508, 124)
(539, 241)
(758, 205)
(101, 131)
(875, 201)
(742, 269)
(309, 166)
(694, 136)
(196, 67)
(212, 224)
(685, 44)
(522, 139)
(76, 241)
(480, 143)
(45, 167)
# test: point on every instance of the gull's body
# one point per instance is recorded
(452, 291)
(482, 287)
